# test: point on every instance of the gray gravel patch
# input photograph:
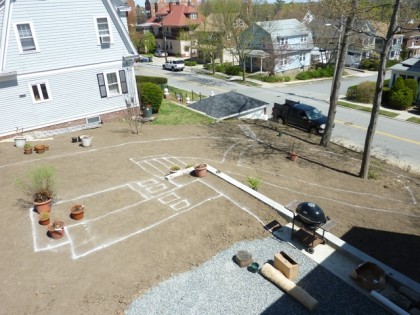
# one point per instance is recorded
(219, 286)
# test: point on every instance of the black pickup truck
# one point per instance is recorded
(300, 115)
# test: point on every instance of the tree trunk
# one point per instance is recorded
(364, 170)
(338, 72)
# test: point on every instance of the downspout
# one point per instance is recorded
(5, 33)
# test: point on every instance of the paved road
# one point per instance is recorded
(395, 140)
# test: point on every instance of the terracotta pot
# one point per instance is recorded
(27, 151)
(200, 170)
(44, 218)
(293, 156)
(44, 206)
(39, 148)
(77, 212)
(56, 229)
(46, 147)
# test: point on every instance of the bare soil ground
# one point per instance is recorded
(140, 229)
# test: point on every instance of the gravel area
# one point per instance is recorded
(219, 286)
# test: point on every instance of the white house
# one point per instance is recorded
(63, 62)
(407, 69)
(282, 45)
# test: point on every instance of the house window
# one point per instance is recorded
(303, 39)
(283, 62)
(302, 57)
(112, 83)
(103, 31)
(26, 35)
(282, 40)
(40, 92)
(193, 16)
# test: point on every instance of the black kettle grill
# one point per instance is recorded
(310, 215)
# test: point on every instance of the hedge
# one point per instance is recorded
(156, 80)
(413, 86)
(401, 99)
(363, 92)
(190, 63)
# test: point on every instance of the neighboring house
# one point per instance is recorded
(52, 75)
(172, 25)
(153, 6)
(411, 39)
(397, 41)
(284, 44)
(407, 69)
(213, 32)
(231, 105)
(326, 37)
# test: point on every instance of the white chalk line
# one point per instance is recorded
(113, 146)
(236, 203)
(343, 203)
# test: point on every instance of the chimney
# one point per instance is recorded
(170, 6)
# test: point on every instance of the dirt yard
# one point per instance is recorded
(140, 229)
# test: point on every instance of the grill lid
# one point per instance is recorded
(311, 213)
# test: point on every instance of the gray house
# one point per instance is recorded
(283, 45)
(58, 67)
(407, 69)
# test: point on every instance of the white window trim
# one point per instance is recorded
(31, 25)
(117, 72)
(30, 84)
(95, 22)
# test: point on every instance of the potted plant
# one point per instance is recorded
(27, 148)
(77, 211)
(293, 155)
(20, 140)
(86, 140)
(200, 170)
(148, 111)
(56, 229)
(40, 184)
(174, 169)
(44, 218)
(39, 148)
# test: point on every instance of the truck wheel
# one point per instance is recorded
(313, 131)
(173, 69)
(283, 122)
(163, 67)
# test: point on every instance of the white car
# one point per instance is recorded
(174, 65)
(160, 53)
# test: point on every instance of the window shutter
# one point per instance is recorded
(101, 83)
(123, 80)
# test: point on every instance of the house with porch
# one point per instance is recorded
(173, 25)
(278, 46)
(77, 73)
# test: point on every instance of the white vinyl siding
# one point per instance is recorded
(40, 92)
(25, 35)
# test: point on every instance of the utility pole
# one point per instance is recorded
(164, 42)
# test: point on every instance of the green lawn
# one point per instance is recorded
(367, 109)
(414, 120)
(172, 114)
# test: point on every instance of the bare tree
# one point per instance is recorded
(338, 71)
(392, 29)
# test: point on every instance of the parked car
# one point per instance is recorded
(144, 59)
(300, 115)
(160, 53)
(174, 65)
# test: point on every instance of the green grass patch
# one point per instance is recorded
(414, 120)
(367, 109)
(172, 114)
(191, 94)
